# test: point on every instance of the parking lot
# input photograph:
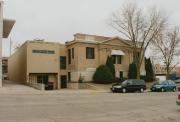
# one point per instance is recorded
(88, 106)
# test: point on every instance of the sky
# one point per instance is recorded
(59, 20)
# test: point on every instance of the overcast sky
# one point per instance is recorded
(58, 20)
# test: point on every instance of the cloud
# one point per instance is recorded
(58, 20)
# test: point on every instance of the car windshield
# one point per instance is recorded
(159, 82)
(116, 84)
(125, 82)
(156, 83)
(162, 82)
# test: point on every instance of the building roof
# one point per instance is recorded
(122, 40)
(96, 39)
(7, 27)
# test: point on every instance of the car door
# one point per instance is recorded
(166, 85)
(169, 86)
(136, 85)
(129, 86)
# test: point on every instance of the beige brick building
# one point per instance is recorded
(37, 62)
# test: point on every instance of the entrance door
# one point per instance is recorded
(42, 79)
(121, 74)
(63, 81)
(45, 79)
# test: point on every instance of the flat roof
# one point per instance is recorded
(7, 27)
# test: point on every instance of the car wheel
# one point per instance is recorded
(141, 90)
(124, 90)
(174, 89)
(162, 90)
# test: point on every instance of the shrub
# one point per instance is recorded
(110, 65)
(132, 74)
(149, 70)
(103, 75)
(143, 77)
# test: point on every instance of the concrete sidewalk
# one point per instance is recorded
(11, 87)
(14, 88)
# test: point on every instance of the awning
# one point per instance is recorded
(7, 26)
(117, 52)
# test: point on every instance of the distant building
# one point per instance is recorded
(177, 69)
(161, 69)
(5, 68)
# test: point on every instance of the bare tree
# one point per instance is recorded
(139, 27)
(167, 47)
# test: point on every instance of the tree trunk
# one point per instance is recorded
(167, 72)
(138, 72)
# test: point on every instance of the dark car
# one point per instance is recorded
(178, 88)
(167, 85)
(130, 85)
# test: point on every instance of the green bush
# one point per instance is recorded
(103, 75)
(110, 65)
(150, 76)
(132, 74)
(143, 77)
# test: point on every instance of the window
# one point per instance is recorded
(50, 52)
(72, 53)
(117, 59)
(69, 56)
(35, 51)
(114, 59)
(4, 69)
(62, 62)
(42, 79)
(90, 53)
(44, 51)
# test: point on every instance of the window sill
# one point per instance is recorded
(91, 59)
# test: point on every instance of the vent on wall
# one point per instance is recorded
(39, 40)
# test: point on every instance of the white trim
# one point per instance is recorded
(117, 52)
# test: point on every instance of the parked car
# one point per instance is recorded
(178, 100)
(130, 85)
(167, 85)
(177, 81)
(178, 88)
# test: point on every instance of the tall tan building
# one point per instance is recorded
(5, 29)
(37, 62)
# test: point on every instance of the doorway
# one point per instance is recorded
(121, 74)
(63, 81)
